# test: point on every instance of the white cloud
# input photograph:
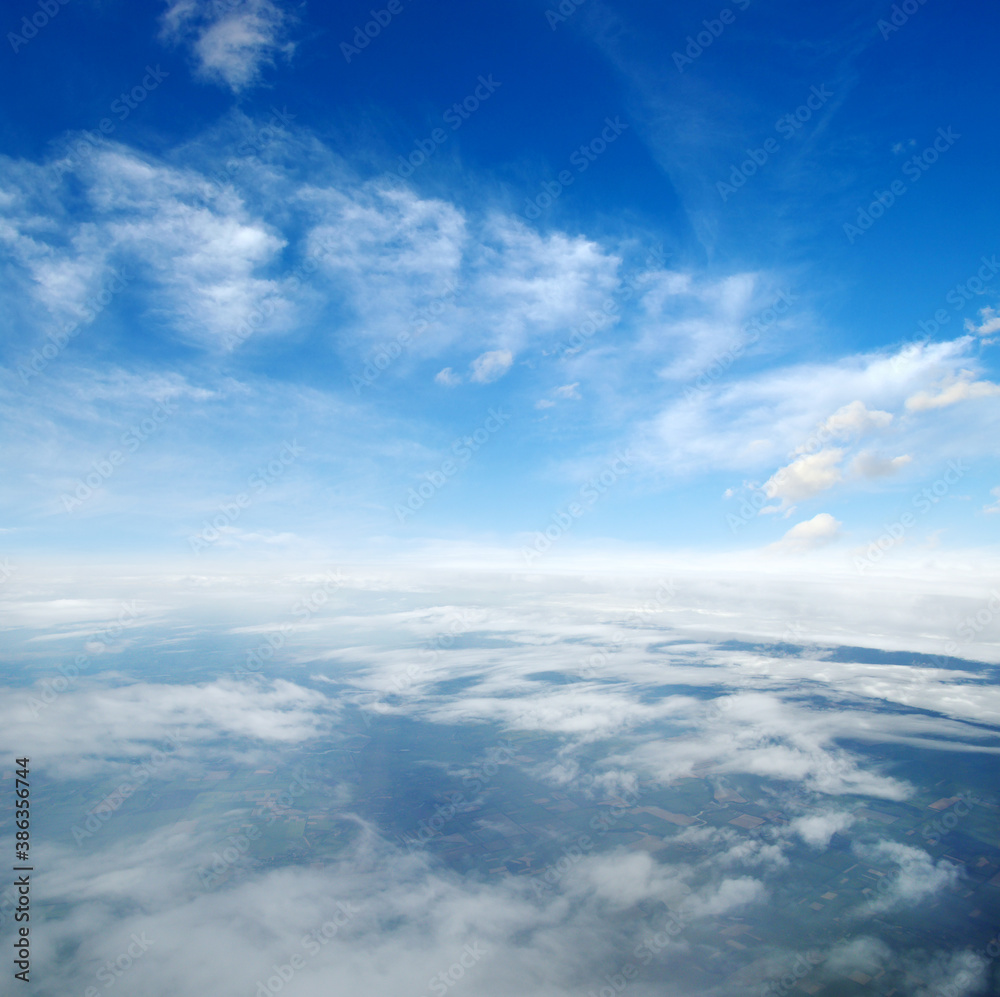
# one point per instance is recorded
(233, 536)
(810, 534)
(197, 260)
(698, 324)
(958, 973)
(864, 954)
(447, 377)
(98, 718)
(231, 46)
(816, 472)
(565, 391)
(816, 830)
(954, 390)
(995, 492)
(532, 285)
(751, 423)
(805, 477)
(855, 419)
(730, 895)
(915, 878)
(989, 323)
(397, 252)
(491, 366)
(450, 279)
(392, 923)
(207, 263)
(624, 879)
(870, 465)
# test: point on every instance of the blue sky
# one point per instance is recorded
(708, 278)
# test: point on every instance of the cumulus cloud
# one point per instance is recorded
(816, 471)
(868, 464)
(959, 389)
(724, 847)
(806, 476)
(231, 46)
(854, 419)
(914, 878)
(816, 830)
(750, 423)
(625, 879)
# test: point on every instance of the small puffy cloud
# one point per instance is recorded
(491, 366)
(447, 377)
(816, 830)
(995, 492)
(810, 533)
(870, 465)
(853, 419)
(806, 476)
(231, 47)
(544, 403)
(953, 391)
(916, 877)
(623, 880)
(989, 323)
(856, 418)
